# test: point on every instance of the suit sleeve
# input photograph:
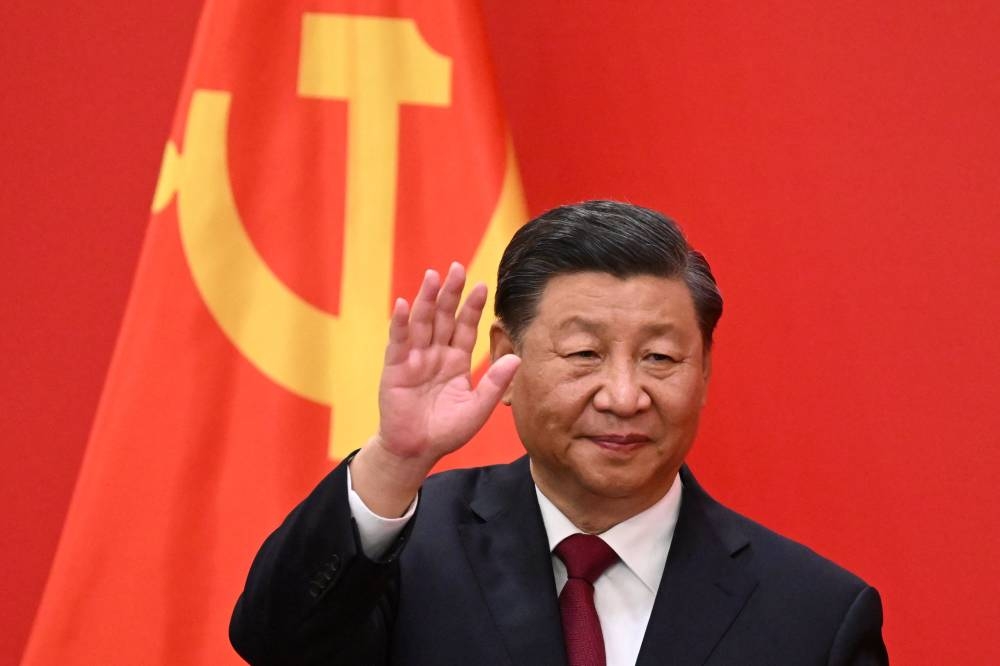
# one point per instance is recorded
(859, 639)
(312, 596)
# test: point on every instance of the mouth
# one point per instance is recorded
(622, 443)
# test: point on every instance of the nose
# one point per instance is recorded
(621, 392)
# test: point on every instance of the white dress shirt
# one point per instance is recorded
(625, 592)
(375, 531)
(623, 595)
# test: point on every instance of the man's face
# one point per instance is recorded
(612, 381)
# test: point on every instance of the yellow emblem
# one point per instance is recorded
(331, 359)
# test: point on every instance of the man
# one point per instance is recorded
(602, 349)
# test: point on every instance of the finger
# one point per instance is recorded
(447, 302)
(467, 322)
(422, 315)
(493, 384)
(399, 333)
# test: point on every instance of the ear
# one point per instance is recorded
(500, 341)
(706, 373)
(500, 345)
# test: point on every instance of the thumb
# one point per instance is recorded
(496, 380)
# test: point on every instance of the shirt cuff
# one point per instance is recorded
(377, 533)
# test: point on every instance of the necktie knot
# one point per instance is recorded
(586, 556)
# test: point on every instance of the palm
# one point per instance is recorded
(427, 403)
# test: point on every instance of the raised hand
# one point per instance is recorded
(427, 404)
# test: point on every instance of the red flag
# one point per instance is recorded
(323, 154)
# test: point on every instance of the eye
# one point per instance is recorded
(584, 353)
(661, 358)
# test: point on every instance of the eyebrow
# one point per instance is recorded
(590, 326)
(579, 322)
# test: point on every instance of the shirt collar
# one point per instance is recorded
(642, 541)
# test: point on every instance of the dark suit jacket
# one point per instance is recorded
(470, 582)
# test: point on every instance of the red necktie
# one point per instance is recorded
(586, 557)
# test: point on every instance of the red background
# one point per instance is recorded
(839, 166)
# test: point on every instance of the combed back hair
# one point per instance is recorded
(606, 237)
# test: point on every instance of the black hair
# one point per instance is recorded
(604, 236)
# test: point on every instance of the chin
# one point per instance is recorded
(614, 485)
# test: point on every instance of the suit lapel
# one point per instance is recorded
(508, 550)
(703, 587)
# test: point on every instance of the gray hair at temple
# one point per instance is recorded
(607, 237)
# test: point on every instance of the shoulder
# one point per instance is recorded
(775, 556)
(460, 488)
(801, 602)
(770, 555)
(467, 479)
(454, 501)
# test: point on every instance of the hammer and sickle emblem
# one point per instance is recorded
(331, 359)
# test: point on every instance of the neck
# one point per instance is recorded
(594, 513)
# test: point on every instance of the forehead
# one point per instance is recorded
(595, 300)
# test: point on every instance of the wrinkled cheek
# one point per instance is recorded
(553, 428)
(684, 411)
